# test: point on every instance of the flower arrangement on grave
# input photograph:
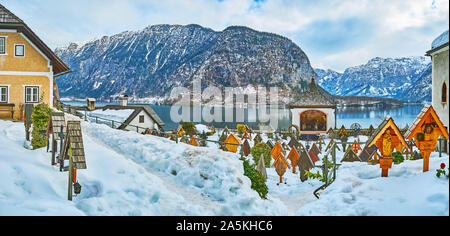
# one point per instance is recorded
(442, 172)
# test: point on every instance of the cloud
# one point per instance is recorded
(334, 33)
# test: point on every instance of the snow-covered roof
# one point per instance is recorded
(440, 40)
(313, 96)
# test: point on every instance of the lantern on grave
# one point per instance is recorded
(77, 188)
(426, 130)
(386, 138)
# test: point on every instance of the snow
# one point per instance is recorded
(440, 40)
(133, 174)
(360, 190)
(116, 115)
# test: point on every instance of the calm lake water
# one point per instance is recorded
(345, 116)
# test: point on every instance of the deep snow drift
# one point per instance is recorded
(132, 174)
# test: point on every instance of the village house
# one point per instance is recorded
(440, 76)
(313, 112)
(28, 68)
(142, 116)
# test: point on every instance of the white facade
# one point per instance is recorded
(440, 75)
(330, 113)
(148, 123)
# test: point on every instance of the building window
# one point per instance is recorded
(141, 119)
(313, 120)
(31, 94)
(3, 94)
(444, 93)
(19, 50)
(2, 45)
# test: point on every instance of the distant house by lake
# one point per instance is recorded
(131, 117)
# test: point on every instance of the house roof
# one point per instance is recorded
(426, 111)
(137, 109)
(10, 21)
(313, 97)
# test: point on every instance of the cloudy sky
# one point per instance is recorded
(335, 34)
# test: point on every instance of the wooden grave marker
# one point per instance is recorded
(74, 152)
(56, 127)
(293, 157)
(232, 139)
(426, 130)
(386, 137)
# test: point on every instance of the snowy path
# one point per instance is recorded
(189, 195)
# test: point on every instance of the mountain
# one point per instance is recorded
(148, 63)
(405, 79)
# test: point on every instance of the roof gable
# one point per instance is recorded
(10, 21)
(313, 96)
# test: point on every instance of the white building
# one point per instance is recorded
(142, 117)
(313, 112)
(440, 76)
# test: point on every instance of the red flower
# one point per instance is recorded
(442, 165)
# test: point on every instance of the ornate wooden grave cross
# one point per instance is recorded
(234, 140)
(386, 138)
(426, 130)
(261, 167)
(331, 133)
(350, 156)
(321, 142)
(293, 157)
(304, 164)
(276, 150)
(74, 152)
(356, 146)
(293, 143)
(280, 165)
(246, 148)
(56, 124)
(369, 154)
(343, 131)
(193, 142)
(315, 149)
(257, 139)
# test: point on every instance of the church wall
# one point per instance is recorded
(440, 74)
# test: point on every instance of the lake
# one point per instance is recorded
(345, 116)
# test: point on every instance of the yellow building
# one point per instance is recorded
(28, 67)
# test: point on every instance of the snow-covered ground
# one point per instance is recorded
(132, 174)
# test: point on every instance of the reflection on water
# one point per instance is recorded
(345, 116)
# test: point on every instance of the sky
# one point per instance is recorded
(335, 34)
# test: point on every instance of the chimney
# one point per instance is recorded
(124, 100)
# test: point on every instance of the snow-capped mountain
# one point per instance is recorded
(406, 79)
(148, 63)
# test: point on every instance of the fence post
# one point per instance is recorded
(112, 124)
(96, 120)
(176, 137)
(85, 115)
(334, 160)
